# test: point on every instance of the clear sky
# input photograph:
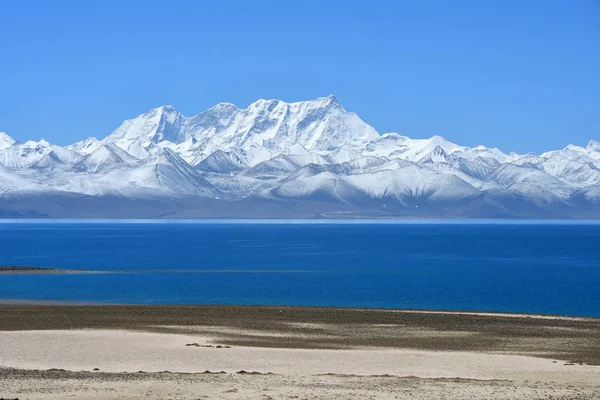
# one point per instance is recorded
(515, 74)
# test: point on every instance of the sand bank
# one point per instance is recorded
(279, 352)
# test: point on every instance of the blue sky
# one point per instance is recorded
(519, 75)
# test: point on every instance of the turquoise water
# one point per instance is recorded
(518, 267)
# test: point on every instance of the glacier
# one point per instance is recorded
(308, 159)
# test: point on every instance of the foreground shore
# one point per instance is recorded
(129, 352)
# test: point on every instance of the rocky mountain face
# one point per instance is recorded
(278, 160)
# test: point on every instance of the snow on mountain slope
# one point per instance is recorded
(310, 150)
(557, 165)
(450, 169)
(581, 175)
(223, 162)
(389, 145)
(142, 148)
(482, 152)
(58, 157)
(589, 153)
(275, 168)
(527, 159)
(509, 174)
(539, 186)
(12, 182)
(474, 171)
(296, 149)
(394, 164)
(343, 154)
(392, 145)
(5, 141)
(86, 146)
(104, 158)
(163, 174)
(590, 194)
(542, 195)
(23, 155)
(284, 165)
(269, 174)
(412, 182)
(316, 169)
(324, 186)
(318, 125)
(438, 155)
(167, 171)
(241, 185)
(478, 167)
(369, 164)
(593, 145)
(272, 125)
(309, 158)
(421, 147)
(575, 171)
(162, 123)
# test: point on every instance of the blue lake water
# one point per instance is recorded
(517, 267)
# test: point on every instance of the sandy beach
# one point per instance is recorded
(130, 352)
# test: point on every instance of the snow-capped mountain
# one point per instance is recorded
(22, 155)
(278, 159)
(105, 158)
(263, 130)
(5, 141)
(57, 157)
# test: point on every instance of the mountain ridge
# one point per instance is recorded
(309, 159)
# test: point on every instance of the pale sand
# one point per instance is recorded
(299, 371)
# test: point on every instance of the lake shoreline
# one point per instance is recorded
(287, 327)
(95, 351)
(69, 303)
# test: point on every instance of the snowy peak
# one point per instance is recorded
(592, 145)
(329, 103)
(438, 155)
(39, 144)
(222, 162)
(392, 145)
(577, 153)
(23, 155)
(5, 141)
(33, 143)
(167, 171)
(142, 148)
(58, 157)
(313, 150)
(169, 157)
(263, 130)
(104, 158)
(439, 142)
(85, 146)
(158, 124)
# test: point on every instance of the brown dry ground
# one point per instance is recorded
(56, 384)
(575, 340)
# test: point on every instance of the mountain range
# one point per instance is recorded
(309, 159)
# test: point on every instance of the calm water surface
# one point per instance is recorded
(519, 267)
